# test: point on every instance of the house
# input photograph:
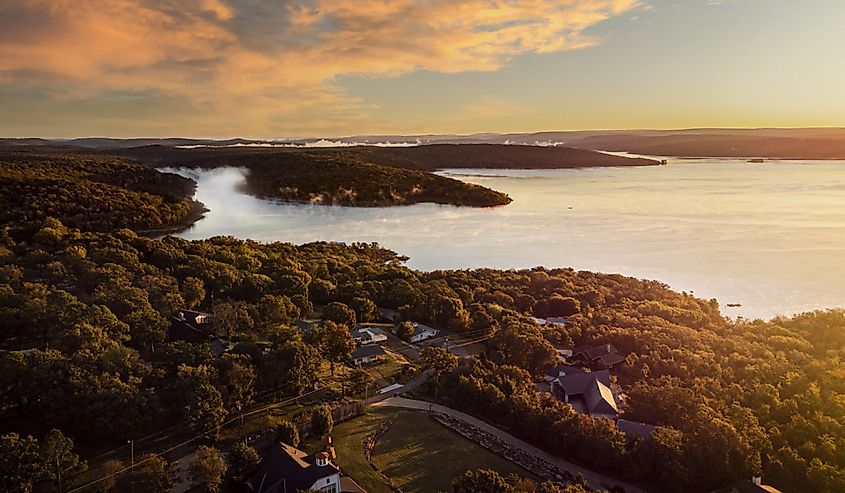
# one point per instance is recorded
(366, 354)
(421, 332)
(221, 346)
(286, 469)
(753, 485)
(553, 321)
(558, 371)
(369, 335)
(389, 314)
(191, 326)
(588, 393)
(308, 324)
(634, 430)
(603, 355)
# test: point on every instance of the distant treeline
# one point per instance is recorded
(716, 145)
(439, 156)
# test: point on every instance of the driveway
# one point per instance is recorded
(596, 480)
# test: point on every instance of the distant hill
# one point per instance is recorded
(439, 156)
(776, 143)
(810, 146)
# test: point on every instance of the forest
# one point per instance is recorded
(90, 192)
(86, 360)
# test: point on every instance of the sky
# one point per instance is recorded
(279, 69)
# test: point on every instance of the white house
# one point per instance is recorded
(366, 354)
(369, 335)
(287, 469)
(421, 332)
(553, 321)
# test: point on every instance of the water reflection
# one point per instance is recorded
(769, 236)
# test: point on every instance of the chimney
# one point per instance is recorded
(608, 348)
(757, 480)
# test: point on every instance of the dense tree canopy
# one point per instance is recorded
(732, 398)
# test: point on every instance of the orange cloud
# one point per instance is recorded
(252, 68)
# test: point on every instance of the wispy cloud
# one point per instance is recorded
(258, 68)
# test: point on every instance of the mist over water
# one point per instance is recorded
(769, 236)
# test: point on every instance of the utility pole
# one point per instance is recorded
(59, 471)
(132, 467)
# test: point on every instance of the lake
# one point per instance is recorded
(769, 236)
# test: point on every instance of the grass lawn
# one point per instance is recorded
(416, 452)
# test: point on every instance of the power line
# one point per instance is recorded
(161, 454)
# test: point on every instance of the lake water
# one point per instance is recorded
(769, 236)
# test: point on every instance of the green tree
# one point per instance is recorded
(21, 463)
(287, 432)
(294, 367)
(207, 469)
(57, 454)
(360, 379)
(206, 409)
(560, 306)
(155, 475)
(276, 310)
(337, 343)
(438, 362)
(339, 313)
(364, 308)
(193, 292)
(405, 330)
(109, 473)
(322, 422)
(481, 481)
(242, 460)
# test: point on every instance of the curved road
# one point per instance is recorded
(596, 480)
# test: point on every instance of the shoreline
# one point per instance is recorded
(197, 213)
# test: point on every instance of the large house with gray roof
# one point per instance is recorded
(587, 392)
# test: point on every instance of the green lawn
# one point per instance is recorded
(416, 452)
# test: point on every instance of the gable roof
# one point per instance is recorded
(611, 359)
(578, 383)
(634, 429)
(285, 468)
(599, 399)
(367, 352)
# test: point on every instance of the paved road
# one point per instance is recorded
(596, 480)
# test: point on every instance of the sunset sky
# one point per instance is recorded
(220, 68)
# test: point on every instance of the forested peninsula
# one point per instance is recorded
(91, 192)
(321, 177)
(374, 176)
(86, 351)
